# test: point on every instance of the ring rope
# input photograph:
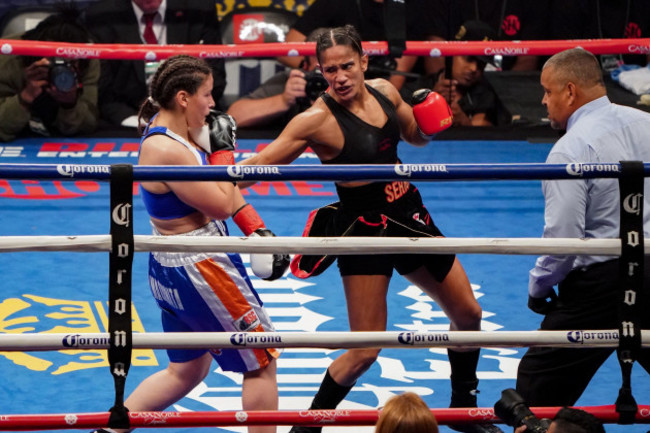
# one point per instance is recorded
(242, 418)
(321, 245)
(331, 340)
(295, 49)
(338, 417)
(423, 172)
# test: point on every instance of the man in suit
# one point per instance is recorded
(123, 83)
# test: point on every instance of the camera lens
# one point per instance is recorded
(62, 75)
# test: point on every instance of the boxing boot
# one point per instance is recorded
(329, 395)
(463, 394)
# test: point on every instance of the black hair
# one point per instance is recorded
(569, 420)
(577, 65)
(180, 72)
(346, 35)
(64, 25)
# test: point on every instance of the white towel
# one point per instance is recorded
(636, 81)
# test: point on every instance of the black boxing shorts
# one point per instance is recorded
(392, 209)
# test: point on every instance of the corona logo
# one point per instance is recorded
(574, 336)
(579, 169)
(406, 338)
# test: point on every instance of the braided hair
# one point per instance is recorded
(346, 35)
(180, 72)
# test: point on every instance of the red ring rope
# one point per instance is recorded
(339, 417)
(275, 49)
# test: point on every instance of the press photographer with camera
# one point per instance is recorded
(514, 411)
(281, 97)
(49, 96)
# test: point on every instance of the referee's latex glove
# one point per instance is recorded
(542, 305)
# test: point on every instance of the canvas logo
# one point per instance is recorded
(72, 318)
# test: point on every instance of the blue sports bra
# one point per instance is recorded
(168, 206)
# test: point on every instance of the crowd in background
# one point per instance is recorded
(51, 96)
(112, 97)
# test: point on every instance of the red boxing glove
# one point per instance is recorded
(247, 219)
(431, 111)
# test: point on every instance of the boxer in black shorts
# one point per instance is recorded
(403, 217)
(361, 122)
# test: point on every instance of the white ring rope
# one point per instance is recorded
(332, 340)
(321, 245)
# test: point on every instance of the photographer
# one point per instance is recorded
(282, 96)
(49, 96)
(514, 411)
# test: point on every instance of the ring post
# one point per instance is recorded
(631, 282)
(119, 296)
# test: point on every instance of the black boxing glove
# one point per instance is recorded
(266, 266)
(542, 305)
(217, 137)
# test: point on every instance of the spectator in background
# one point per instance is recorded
(510, 20)
(406, 413)
(49, 96)
(123, 83)
(589, 19)
(282, 96)
(472, 100)
(367, 16)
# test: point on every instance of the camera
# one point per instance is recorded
(63, 75)
(514, 411)
(381, 67)
(316, 84)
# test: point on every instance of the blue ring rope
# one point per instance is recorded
(424, 172)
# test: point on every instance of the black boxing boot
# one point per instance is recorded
(329, 395)
(464, 388)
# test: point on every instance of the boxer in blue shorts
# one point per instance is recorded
(200, 292)
(209, 293)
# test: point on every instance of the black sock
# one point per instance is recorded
(463, 377)
(330, 393)
(463, 364)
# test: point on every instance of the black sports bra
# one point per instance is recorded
(364, 143)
